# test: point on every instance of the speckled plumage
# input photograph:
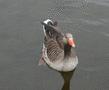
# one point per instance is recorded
(55, 53)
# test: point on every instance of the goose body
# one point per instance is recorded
(57, 52)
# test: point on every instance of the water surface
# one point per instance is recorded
(21, 38)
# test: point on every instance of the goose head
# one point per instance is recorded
(68, 40)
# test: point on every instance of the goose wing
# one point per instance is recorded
(53, 41)
(53, 50)
(51, 31)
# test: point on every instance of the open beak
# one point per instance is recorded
(71, 42)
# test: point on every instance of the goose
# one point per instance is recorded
(58, 49)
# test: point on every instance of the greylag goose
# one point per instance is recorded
(58, 48)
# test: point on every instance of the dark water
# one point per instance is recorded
(21, 39)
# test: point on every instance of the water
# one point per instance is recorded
(21, 38)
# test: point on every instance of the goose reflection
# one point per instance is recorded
(67, 76)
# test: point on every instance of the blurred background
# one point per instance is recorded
(21, 38)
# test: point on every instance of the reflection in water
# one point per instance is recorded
(67, 77)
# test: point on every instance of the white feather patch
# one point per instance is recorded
(46, 22)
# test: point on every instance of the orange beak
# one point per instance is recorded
(71, 42)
